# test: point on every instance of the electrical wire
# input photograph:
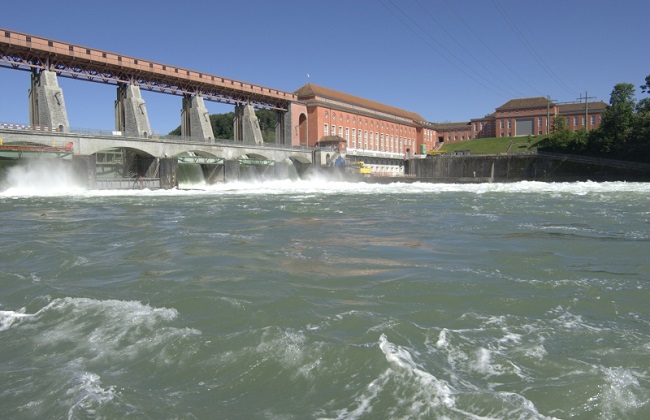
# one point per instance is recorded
(531, 49)
(445, 52)
(493, 54)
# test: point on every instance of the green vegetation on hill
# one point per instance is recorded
(624, 131)
(495, 145)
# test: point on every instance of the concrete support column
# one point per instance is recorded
(168, 173)
(47, 107)
(283, 128)
(246, 125)
(131, 116)
(195, 119)
(316, 158)
(135, 165)
(231, 170)
(85, 166)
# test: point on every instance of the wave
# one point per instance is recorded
(8, 318)
(34, 186)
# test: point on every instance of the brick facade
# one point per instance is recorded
(364, 125)
(385, 131)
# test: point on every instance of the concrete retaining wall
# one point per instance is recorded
(513, 168)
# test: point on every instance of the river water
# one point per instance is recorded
(329, 300)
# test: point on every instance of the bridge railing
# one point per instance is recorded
(108, 134)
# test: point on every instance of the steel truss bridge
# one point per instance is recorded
(22, 51)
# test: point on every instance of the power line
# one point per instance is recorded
(489, 49)
(468, 53)
(530, 48)
(462, 67)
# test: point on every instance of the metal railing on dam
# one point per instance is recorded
(43, 135)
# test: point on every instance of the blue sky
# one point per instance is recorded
(447, 60)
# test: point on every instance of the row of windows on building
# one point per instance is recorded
(376, 124)
(573, 122)
(369, 140)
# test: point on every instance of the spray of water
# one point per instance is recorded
(41, 177)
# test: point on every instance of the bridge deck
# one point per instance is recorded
(26, 52)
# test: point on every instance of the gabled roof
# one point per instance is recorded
(525, 103)
(462, 125)
(580, 107)
(310, 91)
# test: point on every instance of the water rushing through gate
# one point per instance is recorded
(326, 300)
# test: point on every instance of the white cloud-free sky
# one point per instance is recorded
(447, 60)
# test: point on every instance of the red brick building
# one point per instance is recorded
(382, 135)
(524, 117)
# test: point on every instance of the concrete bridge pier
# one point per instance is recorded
(136, 165)
(195, 119)
(246, 125)
(86, 169)
(168, 173)
(283, 128)
(46, 104)
(130, 112)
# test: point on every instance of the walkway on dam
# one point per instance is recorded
(89, 142)
(111, 157)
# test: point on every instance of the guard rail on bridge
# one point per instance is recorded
(112, 135)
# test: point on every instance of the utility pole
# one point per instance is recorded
(586, 109)
(548, 114)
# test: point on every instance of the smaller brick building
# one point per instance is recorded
(523, 117)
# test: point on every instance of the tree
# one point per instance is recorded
(557, 141)
(618, 119)
(639, 141)
(646, 88)
(222, 125)
(643, 106)
(578, 142)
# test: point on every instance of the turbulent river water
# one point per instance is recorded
(332, 300)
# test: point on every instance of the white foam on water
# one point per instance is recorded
(8, 318)
(42, 177)
(417, 393)
(88, 396)
(401, 361)
(286, 347)
(622, 395)
(76, 339)
(570, 321)
(107, 330)
(40, 180)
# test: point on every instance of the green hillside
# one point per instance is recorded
(495, 145)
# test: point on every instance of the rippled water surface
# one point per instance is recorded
(326, 300)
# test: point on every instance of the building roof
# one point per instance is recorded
(598, 106)
(488, 117)
(462, 125)
(525, 103)
(310, 91)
